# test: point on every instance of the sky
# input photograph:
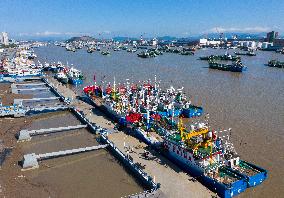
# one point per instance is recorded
(132, 18)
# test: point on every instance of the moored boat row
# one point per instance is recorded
(234, 67)
(225, 57)
(156, 117)
(275, 63)
(249, 53)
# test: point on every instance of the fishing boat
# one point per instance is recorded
(225, 57)
(75, 76)
(140, 97)
(62, 77)
(147, 54)
(234, 67)
(105, 53)
(144, 54)
(131, 50)
(155, 51)
(69, 47)
(31, 55)
(116, 49)
(202, 152)
(197, 149)
(206, 154)
(23, 73)
(250, 53)
(187, 53)
(90, 50)
(275, 63)
(281, 51)
(124, 47)
(176, 51)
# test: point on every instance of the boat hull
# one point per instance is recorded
(255, 179)
(75, 81)
(147, 139)
(221, 189)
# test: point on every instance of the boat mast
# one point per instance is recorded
(114, 87)
(148, 113)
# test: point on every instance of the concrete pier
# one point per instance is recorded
(25, 135)
(174, 182)
(20, 101)
(13, 79)
(27, 84)
(17, 90)
(30, 161)
(47, 108)
(14, 111)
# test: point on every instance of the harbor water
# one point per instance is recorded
(83, 175)
(251, 103)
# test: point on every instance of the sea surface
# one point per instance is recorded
(251, 103)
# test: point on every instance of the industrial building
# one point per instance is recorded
(4, 38)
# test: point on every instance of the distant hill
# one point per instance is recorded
(167, 38)
(80, 38)
(123, 38)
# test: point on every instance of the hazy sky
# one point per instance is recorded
(136, 17)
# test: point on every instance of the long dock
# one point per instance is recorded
(19, 111)
(30, 161)
(14, 111)
(14, 80)
(127, 160)
(25, 135)
(27, 84)
(20, 101)
(17, 90)
(47, 108)
(174, 182)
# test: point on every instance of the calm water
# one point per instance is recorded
(251, 103)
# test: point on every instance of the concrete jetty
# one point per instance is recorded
(39, 109)
(14, 79)
(174, 182)
(35, 89)
(27, 84)
(25, 135)
(30, 161)
(20, 101)
(19, 111)
(15, 111)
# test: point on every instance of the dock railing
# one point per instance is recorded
(148, 180)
